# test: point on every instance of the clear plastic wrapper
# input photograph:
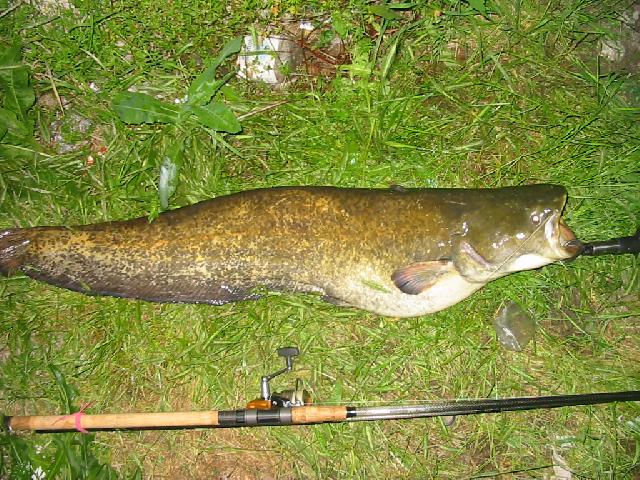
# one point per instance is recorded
(514, 326)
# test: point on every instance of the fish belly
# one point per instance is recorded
(382, 297)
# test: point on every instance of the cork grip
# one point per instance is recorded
(318, 414)
(114, 421)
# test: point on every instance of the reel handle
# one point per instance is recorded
(288, 353)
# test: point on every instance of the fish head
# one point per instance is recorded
(521, 229)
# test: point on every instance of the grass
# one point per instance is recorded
(518, 96)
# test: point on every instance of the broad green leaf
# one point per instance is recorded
(217, 116)
(339, 25)
(136, 108)
(401, 6)
(67, 392)
(230, 94)
(10, 55)
(233, 46)
(13, 152)
(15, 131)
(18, 95)
(389, 59)
(208, 90)
(360, 61)
(72, 458)
(479, 6)
(205, 85)
(384, 11)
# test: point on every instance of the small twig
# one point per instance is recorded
(262, 109)
(31, 150)
(11, 9)
(91, 55)
(319, 54)
(55, 90)
(46, 21)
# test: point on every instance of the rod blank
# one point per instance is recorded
(489, 405)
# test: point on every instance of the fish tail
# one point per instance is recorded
(14, 245)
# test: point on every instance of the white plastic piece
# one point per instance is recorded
(262, 58)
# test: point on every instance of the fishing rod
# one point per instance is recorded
(295, 407)
(613, 246)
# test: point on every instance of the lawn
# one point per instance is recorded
(477, 93)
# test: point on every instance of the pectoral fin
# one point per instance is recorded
(418, 277)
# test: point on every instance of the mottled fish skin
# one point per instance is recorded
(364, 248)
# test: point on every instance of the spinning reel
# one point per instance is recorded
(296, 397)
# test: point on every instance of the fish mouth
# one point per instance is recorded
(562, 238)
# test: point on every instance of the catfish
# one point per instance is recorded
(396, 252)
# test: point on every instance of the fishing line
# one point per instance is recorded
(521, 246)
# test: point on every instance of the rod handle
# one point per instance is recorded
(318, 414)
(67, 423)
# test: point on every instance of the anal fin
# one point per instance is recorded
(162, 289)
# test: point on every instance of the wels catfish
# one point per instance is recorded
(397, 252)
